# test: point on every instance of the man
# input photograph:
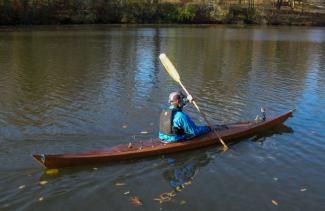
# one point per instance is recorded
(175, 125)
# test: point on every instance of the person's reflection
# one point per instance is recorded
(180, 174)
(183, 173)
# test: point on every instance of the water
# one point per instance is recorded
(79, 88)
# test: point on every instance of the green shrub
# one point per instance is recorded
(186, 14)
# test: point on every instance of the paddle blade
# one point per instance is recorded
(169, 67)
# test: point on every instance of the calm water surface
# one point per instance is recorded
(79, 88)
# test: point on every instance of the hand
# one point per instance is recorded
(190, 98)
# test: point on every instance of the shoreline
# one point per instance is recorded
(14, 14)
(156, 25)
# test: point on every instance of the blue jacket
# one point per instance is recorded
(180, 119)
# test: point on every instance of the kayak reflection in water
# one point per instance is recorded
(175, 125)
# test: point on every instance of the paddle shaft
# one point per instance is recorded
(202, 114)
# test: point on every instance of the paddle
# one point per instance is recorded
(174, 74)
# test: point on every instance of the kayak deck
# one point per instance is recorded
(228, 133)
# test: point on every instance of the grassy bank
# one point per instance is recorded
(31, 12)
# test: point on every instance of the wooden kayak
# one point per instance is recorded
(229, 133)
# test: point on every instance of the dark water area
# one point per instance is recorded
(80, 88)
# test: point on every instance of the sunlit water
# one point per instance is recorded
(79, 88)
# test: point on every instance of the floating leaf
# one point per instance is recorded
(275, 202)
(158, 199)
(22, 187)
(41, 198)
(52, 171)
(178, 188)
(120, 184)
(43, 182)
(172, 193)
(303, 189)
(182, 202)
(127, 192)
(166, 197)
(136, 201)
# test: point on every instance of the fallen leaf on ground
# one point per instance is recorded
(127, 192)
(22, 187)
(144, 132)
(95, 169)
(124, 126)
(136, 201)
(120, 184)
(43, 182)
(52, 171)
(275, 202)
(41, 198)
(276, 179)
(303, 189)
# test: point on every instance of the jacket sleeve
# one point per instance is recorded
(184, 121)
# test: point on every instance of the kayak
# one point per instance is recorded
(228, 133)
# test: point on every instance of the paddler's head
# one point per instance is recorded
(176, 99)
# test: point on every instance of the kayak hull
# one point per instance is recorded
(229, 133)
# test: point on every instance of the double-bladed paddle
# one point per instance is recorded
(174, 74)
